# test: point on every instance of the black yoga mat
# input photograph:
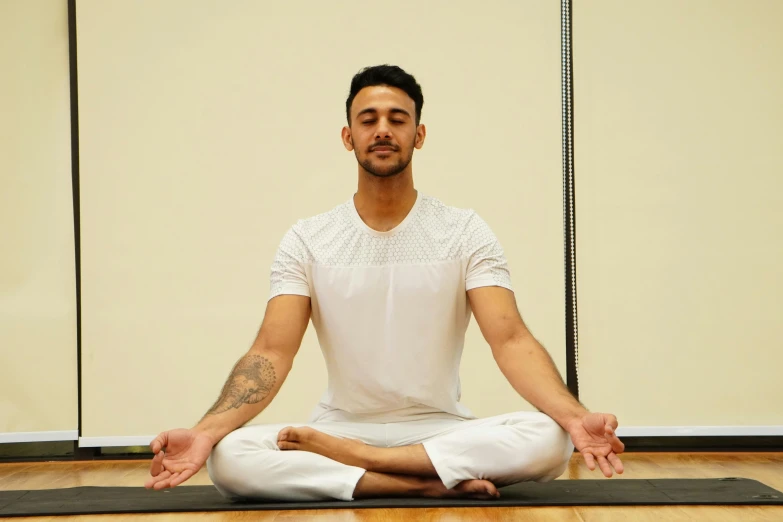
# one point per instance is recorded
(617, 492)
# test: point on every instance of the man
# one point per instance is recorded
(390, 279)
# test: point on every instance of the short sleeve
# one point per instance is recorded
(487, 264)
(288, 273)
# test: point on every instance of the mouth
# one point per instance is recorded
(382, 149)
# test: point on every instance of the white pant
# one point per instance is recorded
(505, 449)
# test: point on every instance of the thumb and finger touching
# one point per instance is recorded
(614, 441)
(159, 442)
(595, 452)
(157, 464)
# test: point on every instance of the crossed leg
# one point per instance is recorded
(460, 459)
(400, 471)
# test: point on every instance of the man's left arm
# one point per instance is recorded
(524, 362)
(531, 371)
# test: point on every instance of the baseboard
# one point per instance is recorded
(703, 444)
(38, 436)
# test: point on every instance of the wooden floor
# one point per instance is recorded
(765, 467)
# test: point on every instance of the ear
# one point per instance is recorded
(347, 139)
(421, 133)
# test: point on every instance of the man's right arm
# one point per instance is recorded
(258, 375)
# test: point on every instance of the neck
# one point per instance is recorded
(383, 203)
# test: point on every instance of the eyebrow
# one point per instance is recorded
(394, 110)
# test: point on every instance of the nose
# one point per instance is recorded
(383, 129)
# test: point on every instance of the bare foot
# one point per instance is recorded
(383, 485)
(478, 489)
(347, 451)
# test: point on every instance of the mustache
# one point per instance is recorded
(383, 144)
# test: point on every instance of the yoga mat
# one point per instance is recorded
(614, 492)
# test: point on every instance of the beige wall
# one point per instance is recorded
(38, 370)
(680, 210)
(192, 124)
(193, 119)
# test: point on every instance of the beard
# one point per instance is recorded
(384, 171)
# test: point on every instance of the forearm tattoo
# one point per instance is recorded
(250, 382)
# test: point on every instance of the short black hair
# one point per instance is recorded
(386, 74)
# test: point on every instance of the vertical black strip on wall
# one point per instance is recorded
(569, 203)
(75, 181)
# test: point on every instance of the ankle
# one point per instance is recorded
(370, 458)
(433, 487)
(427, 487)
(391, 485)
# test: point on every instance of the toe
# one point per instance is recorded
(285, 434)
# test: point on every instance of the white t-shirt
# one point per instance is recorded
(390, 308)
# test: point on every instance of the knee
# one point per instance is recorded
(555, 449)
(227, 461)
(539, 450)
(221, 465)
(547, 447)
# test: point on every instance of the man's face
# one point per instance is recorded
(383, 131)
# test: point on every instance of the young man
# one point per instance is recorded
(390, 279)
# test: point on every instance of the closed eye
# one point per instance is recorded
(369, 122)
